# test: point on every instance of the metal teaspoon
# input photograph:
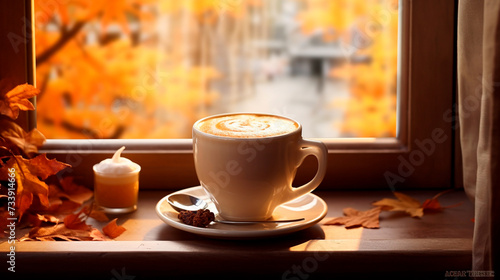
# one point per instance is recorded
(187, 202)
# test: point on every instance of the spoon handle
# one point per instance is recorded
(259, 222)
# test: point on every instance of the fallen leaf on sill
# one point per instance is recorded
(73, 228)
(412, 206)
(31, 220)
(61, 232)
(37, 219)
(56, 213)
(354, 218)
(77, 221)
(434, 205)
(98, 214)
(403, 203)
(66, 189)
(112, 229)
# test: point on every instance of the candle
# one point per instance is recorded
(116, 184)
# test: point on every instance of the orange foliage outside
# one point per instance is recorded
(115, 91)
(96, 81)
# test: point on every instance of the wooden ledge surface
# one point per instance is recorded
(434, 244)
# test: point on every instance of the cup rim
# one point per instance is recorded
(298, 130)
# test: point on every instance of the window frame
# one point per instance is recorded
(426, 69)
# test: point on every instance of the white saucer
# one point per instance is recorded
(309, 206)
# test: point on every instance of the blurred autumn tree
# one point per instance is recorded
(97, 72)
(144, 68)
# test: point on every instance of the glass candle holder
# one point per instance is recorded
(116, 193)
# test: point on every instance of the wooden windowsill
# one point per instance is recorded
(403, 246)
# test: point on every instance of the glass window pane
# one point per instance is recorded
(151, 68)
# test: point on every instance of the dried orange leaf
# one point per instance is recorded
(73, 191)
(97, 235)
(431, 204)
(61, 208)
(112, 229)
(13, 137)
(17, 99)
(28, 184)
(36, 220)
(354, 218)
(98, 214)
(42, 167)
(48, 218)
(39, 166)
(434, 205)
(402, 203)
(77, 220)
(27, 178)
(60, 232)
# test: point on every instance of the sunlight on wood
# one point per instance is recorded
(336, 237)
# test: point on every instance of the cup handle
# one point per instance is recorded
(306, 148)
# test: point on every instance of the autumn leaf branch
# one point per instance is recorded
(66, 36)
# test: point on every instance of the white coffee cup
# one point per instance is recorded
(248, 175)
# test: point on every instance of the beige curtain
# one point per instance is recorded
(478, 66)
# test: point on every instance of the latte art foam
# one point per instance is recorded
(247, 126)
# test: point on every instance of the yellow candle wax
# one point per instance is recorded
(116, 192)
